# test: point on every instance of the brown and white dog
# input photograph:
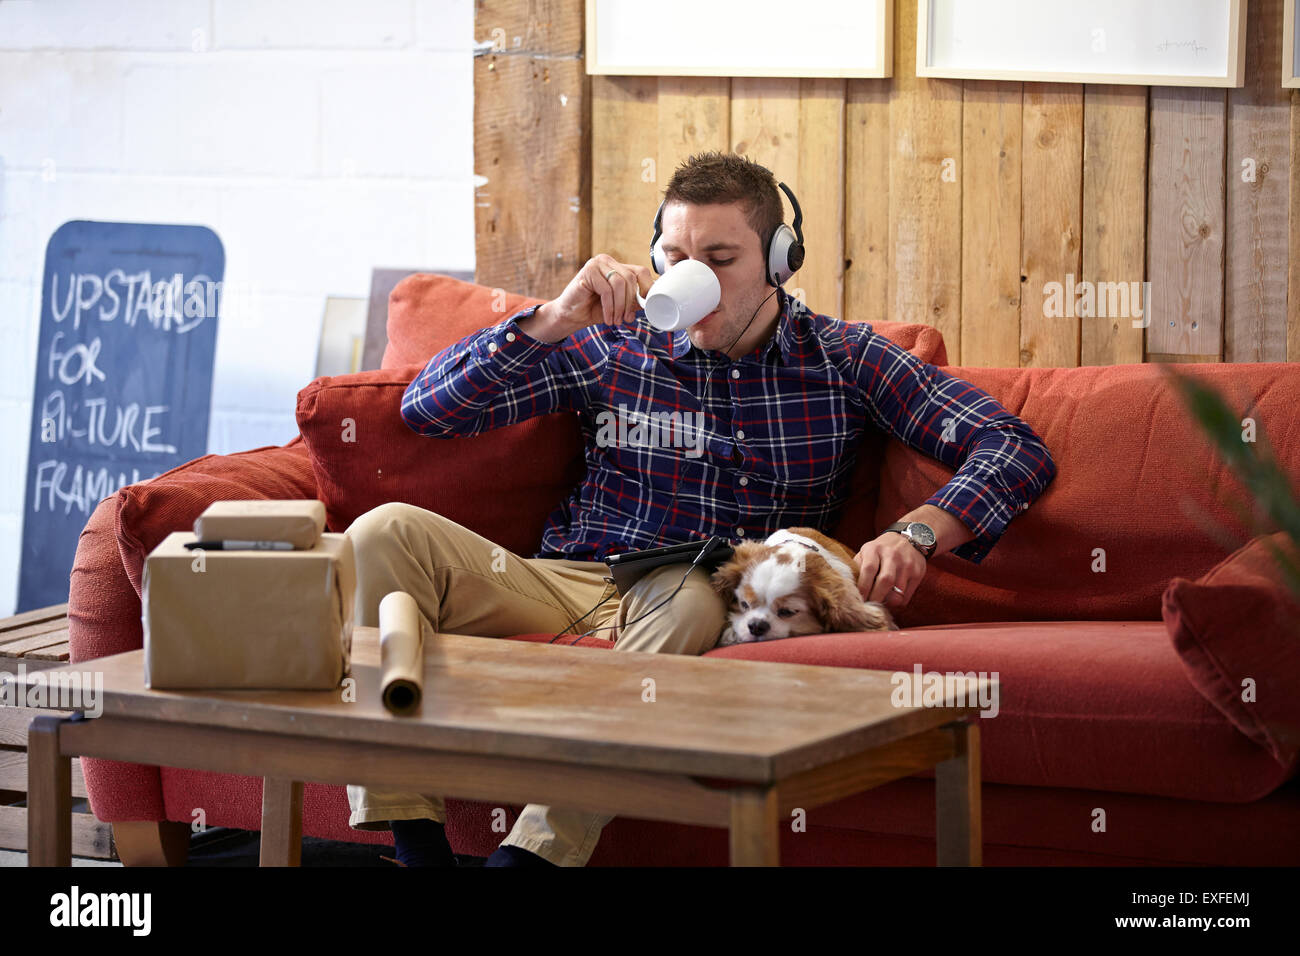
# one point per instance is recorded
(796, 582)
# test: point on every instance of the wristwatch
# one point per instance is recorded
(920, 534)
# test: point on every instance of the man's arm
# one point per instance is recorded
(1001, 464)
(548, 358)
(502, 375)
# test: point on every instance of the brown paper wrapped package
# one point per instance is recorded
(298, 522)
(248, 619)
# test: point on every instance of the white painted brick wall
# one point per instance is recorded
(318, 138)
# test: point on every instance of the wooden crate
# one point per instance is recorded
(38, 639)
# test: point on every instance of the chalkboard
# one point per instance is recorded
(129, 316)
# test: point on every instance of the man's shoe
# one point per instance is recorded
(509, 855)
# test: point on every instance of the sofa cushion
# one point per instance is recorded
(427, 312)
(503, 484)
(1240, 622)
(1139, 497)
(148, 511)
(1094, 705)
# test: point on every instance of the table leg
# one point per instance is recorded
(49, 795)
(754, 835)
(958, 833)
(281, 843)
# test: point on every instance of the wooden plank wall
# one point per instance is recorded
(955, 203)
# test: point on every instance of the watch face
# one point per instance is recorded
(923, 533)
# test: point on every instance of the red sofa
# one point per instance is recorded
(1120, 737)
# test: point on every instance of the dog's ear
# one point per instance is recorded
(726, 579)
(845, 610)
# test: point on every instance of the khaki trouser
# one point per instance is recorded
(465, 584)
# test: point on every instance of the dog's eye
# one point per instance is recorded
(744, 606)
(785, 612)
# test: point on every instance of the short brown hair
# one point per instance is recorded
(715, 177)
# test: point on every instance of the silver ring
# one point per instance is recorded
(900, 590)
(609, 273)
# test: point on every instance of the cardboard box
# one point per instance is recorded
(298, 522)
(248, 619)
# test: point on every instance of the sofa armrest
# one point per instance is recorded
(103, 611)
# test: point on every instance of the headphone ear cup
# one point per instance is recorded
(657, 258)
(781, 255)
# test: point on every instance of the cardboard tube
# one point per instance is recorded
(401, 653)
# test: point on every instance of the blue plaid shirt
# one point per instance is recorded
(682, 444)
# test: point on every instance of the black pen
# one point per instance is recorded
(240, 545)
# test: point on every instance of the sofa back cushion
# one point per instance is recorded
(502, 484)
(1140, 494)
(427, 312)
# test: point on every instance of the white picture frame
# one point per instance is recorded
(1290, 44)
(1139, 42)
(815, 38)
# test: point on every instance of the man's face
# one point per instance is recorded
(718, 235)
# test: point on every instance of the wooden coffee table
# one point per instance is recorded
(702, 740)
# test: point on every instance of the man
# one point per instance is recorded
(784, 396)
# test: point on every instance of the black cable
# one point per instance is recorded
(603, 598)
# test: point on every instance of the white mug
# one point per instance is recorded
(682, 296)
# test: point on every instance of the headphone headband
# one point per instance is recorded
(783, 256)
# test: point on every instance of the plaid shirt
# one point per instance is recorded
(682, 444)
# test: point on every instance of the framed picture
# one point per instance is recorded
(1142, 42)
(1291, 44)
(850, 38)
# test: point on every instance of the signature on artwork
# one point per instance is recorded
(1192, 45)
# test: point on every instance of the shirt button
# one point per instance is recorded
(740, 433)
(510, 336)
(743, 480)
(735, 373)
(492, 346)
(740, 532)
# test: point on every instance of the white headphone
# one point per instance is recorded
(784, 251)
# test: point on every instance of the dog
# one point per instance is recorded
(798, 581)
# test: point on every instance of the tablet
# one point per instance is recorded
(631, 566)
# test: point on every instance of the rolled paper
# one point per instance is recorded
(401, 653)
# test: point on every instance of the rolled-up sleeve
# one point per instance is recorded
(499, 376)
(1001, 465)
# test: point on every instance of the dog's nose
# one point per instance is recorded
(759, 628)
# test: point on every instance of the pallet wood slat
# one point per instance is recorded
(532, 145)
(1259, 170)
(821, 195)
(625, 144)
(1185, 221)
(1114, 215)
(925, 193)
(13, 772)
(35, 616)
(866, 201)
(990, 227)
(90, 837)
(1052, 222)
